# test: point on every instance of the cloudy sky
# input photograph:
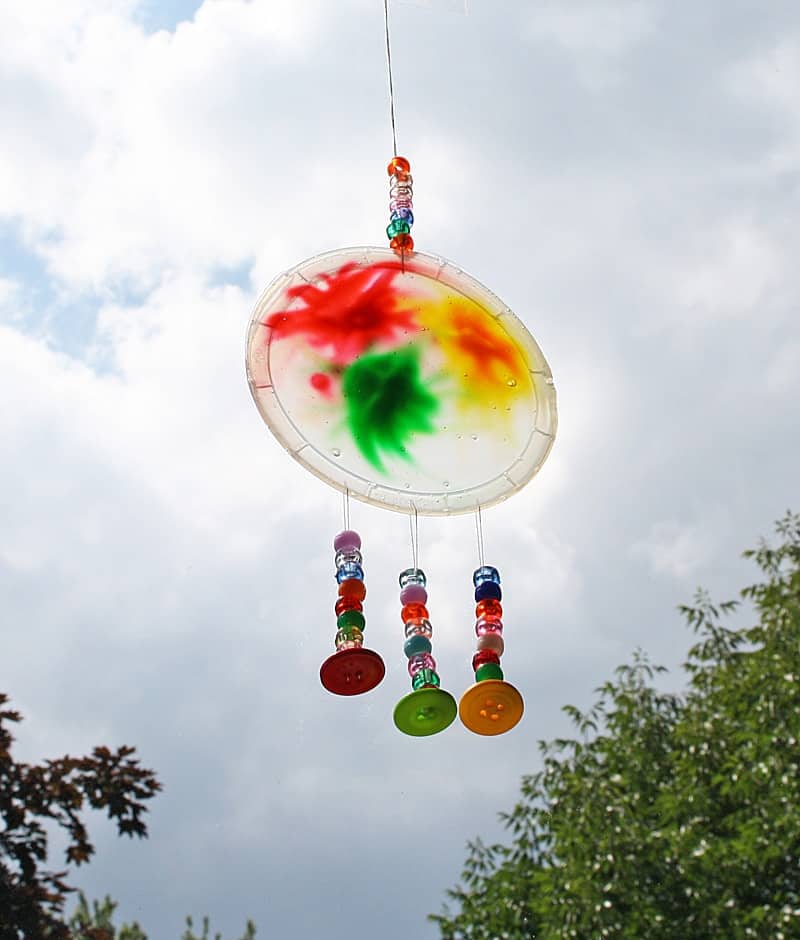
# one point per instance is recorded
(625, 175)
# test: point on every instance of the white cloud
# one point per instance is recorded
(675, 549)
(596, 34)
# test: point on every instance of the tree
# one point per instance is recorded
(667, 815)
(96, 923)
(32, 897)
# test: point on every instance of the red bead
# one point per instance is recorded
(402, 243)
(414, 612)
(348, 603)
(353, 588)
(398, 163)
(489, 609)
(484, 656)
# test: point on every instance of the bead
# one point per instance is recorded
(421, 661)
(352, 557)
(350, 572)
(491, 641)
(398, 163)
(489, 609)
(347, 540)
(348, 603)
(413, 594)
(350, 631)
(353, 588)
(486, 590)
(397, 227)
(488, 671)
(484, 656)
(413, 576)
(419, 628)
(425, 677)
(349, 639)
(350, 618)
(402, 243)
(402, 212)
(414, 612)
(415, 645)
(400, 202)
(485, 573)
(488, 626)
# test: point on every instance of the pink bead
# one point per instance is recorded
(491, 641)
(413, 594)
(482, 627)
(347, 541)
(419, 662)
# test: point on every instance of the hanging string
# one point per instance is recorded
(389, 67)
(479, 532)
(346, 508)
(413, 522)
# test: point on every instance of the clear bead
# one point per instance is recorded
(419, 628)
(413, 576)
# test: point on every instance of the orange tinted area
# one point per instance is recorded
(477, 350)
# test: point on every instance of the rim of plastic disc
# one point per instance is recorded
(358, 484)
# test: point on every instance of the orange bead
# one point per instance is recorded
(489, 608)
(402, 243)
(414, 612)
(398, 163)
(353, 588)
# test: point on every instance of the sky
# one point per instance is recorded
(625, 175)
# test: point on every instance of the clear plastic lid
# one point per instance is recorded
(401, 380)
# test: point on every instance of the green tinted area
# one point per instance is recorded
(387, 403)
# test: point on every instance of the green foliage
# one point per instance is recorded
(96, 923)
(249, 932)
(667, 816)
(58, 791)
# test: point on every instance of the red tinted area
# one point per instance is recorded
(322, 382)
(346, 312)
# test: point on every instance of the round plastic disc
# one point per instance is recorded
(402, 380)
(351, 672)
(490, 707)
(425, 711)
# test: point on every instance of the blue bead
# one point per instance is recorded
(416, 645)
(350, 571)
(485, 573)
(488, 590)
(403, 213)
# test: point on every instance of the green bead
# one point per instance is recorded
(488, 671)
(425, 677)
(397, 227)
(350, 618)
(415, 645)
